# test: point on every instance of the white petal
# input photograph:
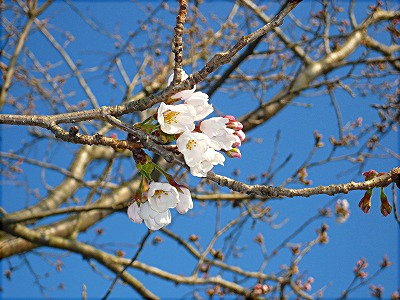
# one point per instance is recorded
(151, 224)
(133, 213)
(176, 118)
(185, 93)
(198, 171)
(163, 218)
(200, 103)
(162, 196)
(145, 211)
(183, 77)
(185, 201)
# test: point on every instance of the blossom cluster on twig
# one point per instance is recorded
(199, 144)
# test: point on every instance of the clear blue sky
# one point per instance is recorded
(370, 236)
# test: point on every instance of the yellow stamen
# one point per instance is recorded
(159, 193)
(170, 117)
(191, 144)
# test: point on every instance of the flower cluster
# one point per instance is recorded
(358, 270)
(376, 291)
(259, 289)
(307, 285)
(200, 143)
(161, 197)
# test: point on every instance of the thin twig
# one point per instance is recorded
(110, 289)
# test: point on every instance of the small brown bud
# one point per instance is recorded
(193, 238)
(386, 262)
(157, 240)
(295, 249)
(73, 130)
(218, 254)
(7, 273)
(259, 239)
(204, 268)
(99, 231)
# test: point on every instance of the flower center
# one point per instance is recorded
(159, 193)
(170, 117)
(191, 144)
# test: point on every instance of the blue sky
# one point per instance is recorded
(371, 236)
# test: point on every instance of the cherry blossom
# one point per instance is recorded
(162, 196)
(210, 158)
(199, 101)
(133, 213)
(176, 118)
(185, 201)
(185, 93)
(221, 136)
(193, 145)
(154, 220)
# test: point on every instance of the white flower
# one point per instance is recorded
(185, 201)
(162, 196)
(176, 118)
(193, 145)
(199, 101)
(185, 93)
(342, 210)
(198, 154)
(133, 213)
(221, 136)
(154, 220)
(209, 159)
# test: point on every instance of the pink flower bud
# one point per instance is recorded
(240, 134)
(230, 118)
(237, 144)
(266, 288)
(234, 153)
(235, 125)
(370, 174)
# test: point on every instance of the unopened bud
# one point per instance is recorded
(230, 118)
(365, 202)
(193, 238)
(370, 174)
(240, 134)
(386, 208)
(235, 125)
(234, 153)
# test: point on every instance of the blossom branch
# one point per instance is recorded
(177, 48)
(279, 192)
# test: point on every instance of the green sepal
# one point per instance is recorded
(146, 169)
(148, 127)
